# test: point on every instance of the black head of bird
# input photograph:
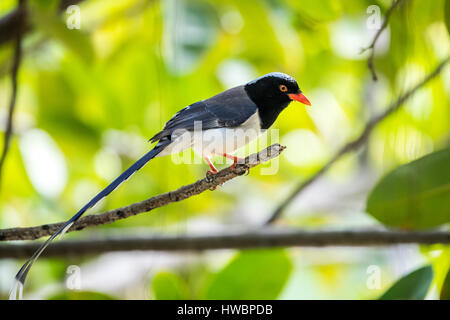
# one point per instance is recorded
(272, 93)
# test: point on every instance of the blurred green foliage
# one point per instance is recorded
(413, 286)
(90, 98)
(415, 195)
(259, 274)
(80, 295)
(170, 286)
(255, 274)
(445, 290)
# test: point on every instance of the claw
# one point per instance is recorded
(210, 174)
(234, 158)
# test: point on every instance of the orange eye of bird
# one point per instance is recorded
(283, 88)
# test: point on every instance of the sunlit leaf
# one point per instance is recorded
(258, 274)
(170, 286)
(413, 286)
(415, 195)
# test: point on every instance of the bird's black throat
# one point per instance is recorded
(270, 104)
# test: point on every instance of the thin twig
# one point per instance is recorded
(262, 238)
(211, 181)
(371, 47)
(14, 71)
(356, 143)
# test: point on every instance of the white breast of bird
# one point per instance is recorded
(217, 141)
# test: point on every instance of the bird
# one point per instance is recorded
(216, 126)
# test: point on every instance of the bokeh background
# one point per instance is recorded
(89, 99)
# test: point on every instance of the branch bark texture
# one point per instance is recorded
(262, 238)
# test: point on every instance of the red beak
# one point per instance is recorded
(300, 97)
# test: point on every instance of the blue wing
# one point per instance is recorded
(228, 109)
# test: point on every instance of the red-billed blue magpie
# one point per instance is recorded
(223, 118)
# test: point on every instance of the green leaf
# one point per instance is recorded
(170, 286)
(445, 290)
(255, 274)
(81, 295)
(413, 286)
(415, 195)
(54, 28)
(447, 15)
(326, 10)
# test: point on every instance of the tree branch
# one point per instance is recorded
(356, 143)
(14, 70)
(211, 181)
(371, 47)
(263, 238)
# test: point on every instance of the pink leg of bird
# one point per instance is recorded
(212, 171)
(211, 165)
(234, 158)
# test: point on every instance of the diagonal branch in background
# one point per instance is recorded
(263, 238)
(14, 70)
(211, 181)
(356, 143)
(371, 47)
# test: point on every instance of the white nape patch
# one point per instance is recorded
(215, 141)
(16, 292)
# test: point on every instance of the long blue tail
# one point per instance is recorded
(23, 272)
